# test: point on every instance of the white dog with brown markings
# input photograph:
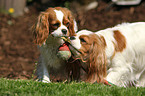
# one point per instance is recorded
(50, 26)
(114, 54)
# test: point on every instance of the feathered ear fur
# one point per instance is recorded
(71, 27)
(96, 61)
(73, 69)
(41, 29)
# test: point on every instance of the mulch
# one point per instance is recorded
(18, 54)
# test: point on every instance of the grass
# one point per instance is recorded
(32, 88)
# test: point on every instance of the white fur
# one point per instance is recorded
(77, 42)
(127, 66)
(48, 59)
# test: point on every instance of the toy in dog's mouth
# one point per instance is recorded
(67, 40)
(64, 50)
(64, 47)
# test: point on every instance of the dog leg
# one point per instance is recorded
(141, 81)
(46, 78)
(42, 71)
(119, 77)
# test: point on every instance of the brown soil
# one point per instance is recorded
(17, 52)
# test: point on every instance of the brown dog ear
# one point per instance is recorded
(71, 26)
(96, 60)
(41, 29)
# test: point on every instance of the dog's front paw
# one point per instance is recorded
(46, 81)
(43, 80)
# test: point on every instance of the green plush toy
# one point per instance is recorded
(64, 52)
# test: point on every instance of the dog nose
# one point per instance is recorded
(64, 31)
(72, 38)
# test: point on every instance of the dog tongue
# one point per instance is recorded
(64, 47)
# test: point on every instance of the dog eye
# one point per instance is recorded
(56, 25)
(72, 38)
(82, 40)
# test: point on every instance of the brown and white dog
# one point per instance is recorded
(50, 26)
(115, 54)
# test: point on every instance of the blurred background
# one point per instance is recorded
(18, 54)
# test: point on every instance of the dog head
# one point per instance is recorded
(90, 48)
(56, 21)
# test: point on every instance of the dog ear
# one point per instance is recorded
(72, 24)
(41, 28)
(96, 61)
(73, 69)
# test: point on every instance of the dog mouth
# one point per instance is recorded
(64, 47)
(68, 43)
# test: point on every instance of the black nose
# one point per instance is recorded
(64, 31)
(72, 38)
